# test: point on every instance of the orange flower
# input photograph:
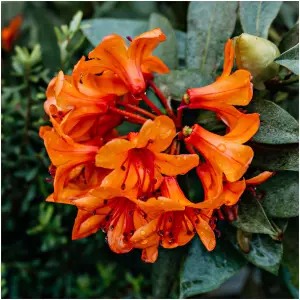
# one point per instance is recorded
(84, 125)
(232, 191)
(227, 152)
(113, 57)
(107, 210)
(10, 33)
(138, 162)
(234, 89)
(212, 179)
(80, 181)
(174, 228)
(65, 155)
(116, 213)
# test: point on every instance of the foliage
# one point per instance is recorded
(36, 236)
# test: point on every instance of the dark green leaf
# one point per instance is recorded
(127, 127)
(181, 39)
(276, 158)
(204, 271)
(99, 28)
(176, 83)
(290, 59)
(281, 195)
(31, 174)
(290, 39)
(252, 217)
(289, 13)
(291, 250)
(165, 270)
(276, 125)
(264, 251)
(168, 50)
(210, 25)
(257, 16)
(47, 38)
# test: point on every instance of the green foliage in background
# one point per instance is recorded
(39, 260)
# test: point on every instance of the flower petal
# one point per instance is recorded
(235, 89)
(206, 234)
(260, 178)
(86, 224)
(172, 165)
(113, 154)
(160, 132)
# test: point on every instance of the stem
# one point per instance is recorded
(173, 147)
(190, 148)
(151, 105)
(138, 109)
(129, 116)
(289, 81)
(162, 99)
(180, 114)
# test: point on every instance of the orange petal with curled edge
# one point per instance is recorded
(260, 178)
(228, 59)
(86, 224)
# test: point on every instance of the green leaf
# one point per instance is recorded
(276, 157)
(290, 59)
(75, 23)
(210, 25)
(99, 28)
(281, 195)
(47, 38)
(204, 271)
(165, 270)
(264, 252)
(168, 50)
(290, 39)
(277, 126)
(181, 39)
(257, 16)
(252, 217)
(127, 127)
(176, 83)
(291, 250)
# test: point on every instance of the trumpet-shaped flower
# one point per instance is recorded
(232, 89)
(129, 63)
(227, 152)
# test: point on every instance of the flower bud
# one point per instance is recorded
(256, 55)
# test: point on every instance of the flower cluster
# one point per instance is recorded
(126, 185)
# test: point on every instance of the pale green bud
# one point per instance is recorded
(256, 55)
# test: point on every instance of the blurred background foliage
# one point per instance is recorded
(39, 260)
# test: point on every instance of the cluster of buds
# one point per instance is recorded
(126, 185)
